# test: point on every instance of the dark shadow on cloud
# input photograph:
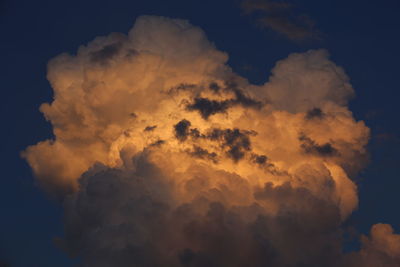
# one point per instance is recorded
(235, 142)
(259, 159)
(126, 218)
(157, 143)
(309, 146)
(214, 87)
(202, 153)
(243, 100)
(208, 107)
(182, 129)
(281, 17)
(315, 113)
(105, 54)
(150, 128)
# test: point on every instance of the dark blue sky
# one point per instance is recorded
(362, 36)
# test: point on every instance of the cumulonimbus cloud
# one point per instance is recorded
(164, 156)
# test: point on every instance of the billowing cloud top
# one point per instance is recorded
(165, 157)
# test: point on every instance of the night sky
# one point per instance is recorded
(361, 36)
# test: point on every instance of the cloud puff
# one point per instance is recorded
(382, 248)
(164, 156)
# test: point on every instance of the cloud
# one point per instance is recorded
(125, 217)
(280, 17)
(155, 170)
(382, 248)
